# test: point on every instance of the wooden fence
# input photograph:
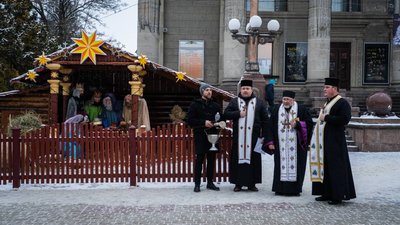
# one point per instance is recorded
(71, 153)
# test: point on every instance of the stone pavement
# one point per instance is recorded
(377, 179)
(246, 213)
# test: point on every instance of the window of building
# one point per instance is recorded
(346, 5)
(265, 58)
(269, 5)
(191, 58)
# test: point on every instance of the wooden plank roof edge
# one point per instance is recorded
(226, 95)
(24, 91)
(64, 51)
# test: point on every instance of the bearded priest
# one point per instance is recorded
(288, 138)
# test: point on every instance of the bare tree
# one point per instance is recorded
(65, 18)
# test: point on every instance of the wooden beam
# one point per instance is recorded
(98, 63)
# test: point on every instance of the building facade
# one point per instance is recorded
(354, 40)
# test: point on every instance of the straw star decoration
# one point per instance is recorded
(142, 60)
(42, 59)
(54, 75)
(88, 47)
(31, 75)
(180, 76)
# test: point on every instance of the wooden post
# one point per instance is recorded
(135, 92)
(54, 90)
(135, 110)
(53, 106)
(132, 155)
(65, 94)
(16, 134)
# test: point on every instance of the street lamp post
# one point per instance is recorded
(252, 38)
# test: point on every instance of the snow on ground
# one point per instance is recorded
(377, 117)
(376, 177)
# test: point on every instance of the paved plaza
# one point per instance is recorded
(376, 176)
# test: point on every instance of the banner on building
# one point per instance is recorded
(295, 62)
(376, 63)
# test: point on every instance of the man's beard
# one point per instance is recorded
(108, 107)
(287, 106)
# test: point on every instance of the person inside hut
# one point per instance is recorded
(75, 103)
(93, 109)
(109, 117)
(127, 111)
(143, 113)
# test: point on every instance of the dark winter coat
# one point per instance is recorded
(201, 110)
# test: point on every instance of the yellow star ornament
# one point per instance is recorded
(180, 76)
(142, 60)
(31, 75)
(88, 47)
(42, 59)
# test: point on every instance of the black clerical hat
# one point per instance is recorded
(332, 81)
(246, 83)
(289, 94)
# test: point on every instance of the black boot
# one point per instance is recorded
(237, 188)
(211, 186)
(252, 188)
(321, 198)
(196, 188)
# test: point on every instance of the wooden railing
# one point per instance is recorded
(73, 153)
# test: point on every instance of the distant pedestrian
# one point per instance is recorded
(270, 94)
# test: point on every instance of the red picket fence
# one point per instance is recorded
(72, 153)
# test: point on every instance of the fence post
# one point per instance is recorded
(132, 155)
(16, 134)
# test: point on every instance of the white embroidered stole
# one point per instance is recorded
(246, 130)
(287, 143)
(317, 145)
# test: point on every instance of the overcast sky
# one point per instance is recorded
(122, 26)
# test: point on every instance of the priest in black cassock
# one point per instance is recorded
(249, 117)
(329, 159)
(288, 138)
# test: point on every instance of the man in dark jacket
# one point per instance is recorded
(202, 115)
(288, 138)
(249, 116)
(270, 94)
(329, 160)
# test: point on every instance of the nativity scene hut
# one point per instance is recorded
(90, 65)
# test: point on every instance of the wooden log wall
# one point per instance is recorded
(18, 104)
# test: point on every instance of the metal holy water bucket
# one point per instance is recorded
(213, 138)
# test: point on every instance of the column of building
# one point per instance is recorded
(151, 29)
(319, 26)
(233, 52)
